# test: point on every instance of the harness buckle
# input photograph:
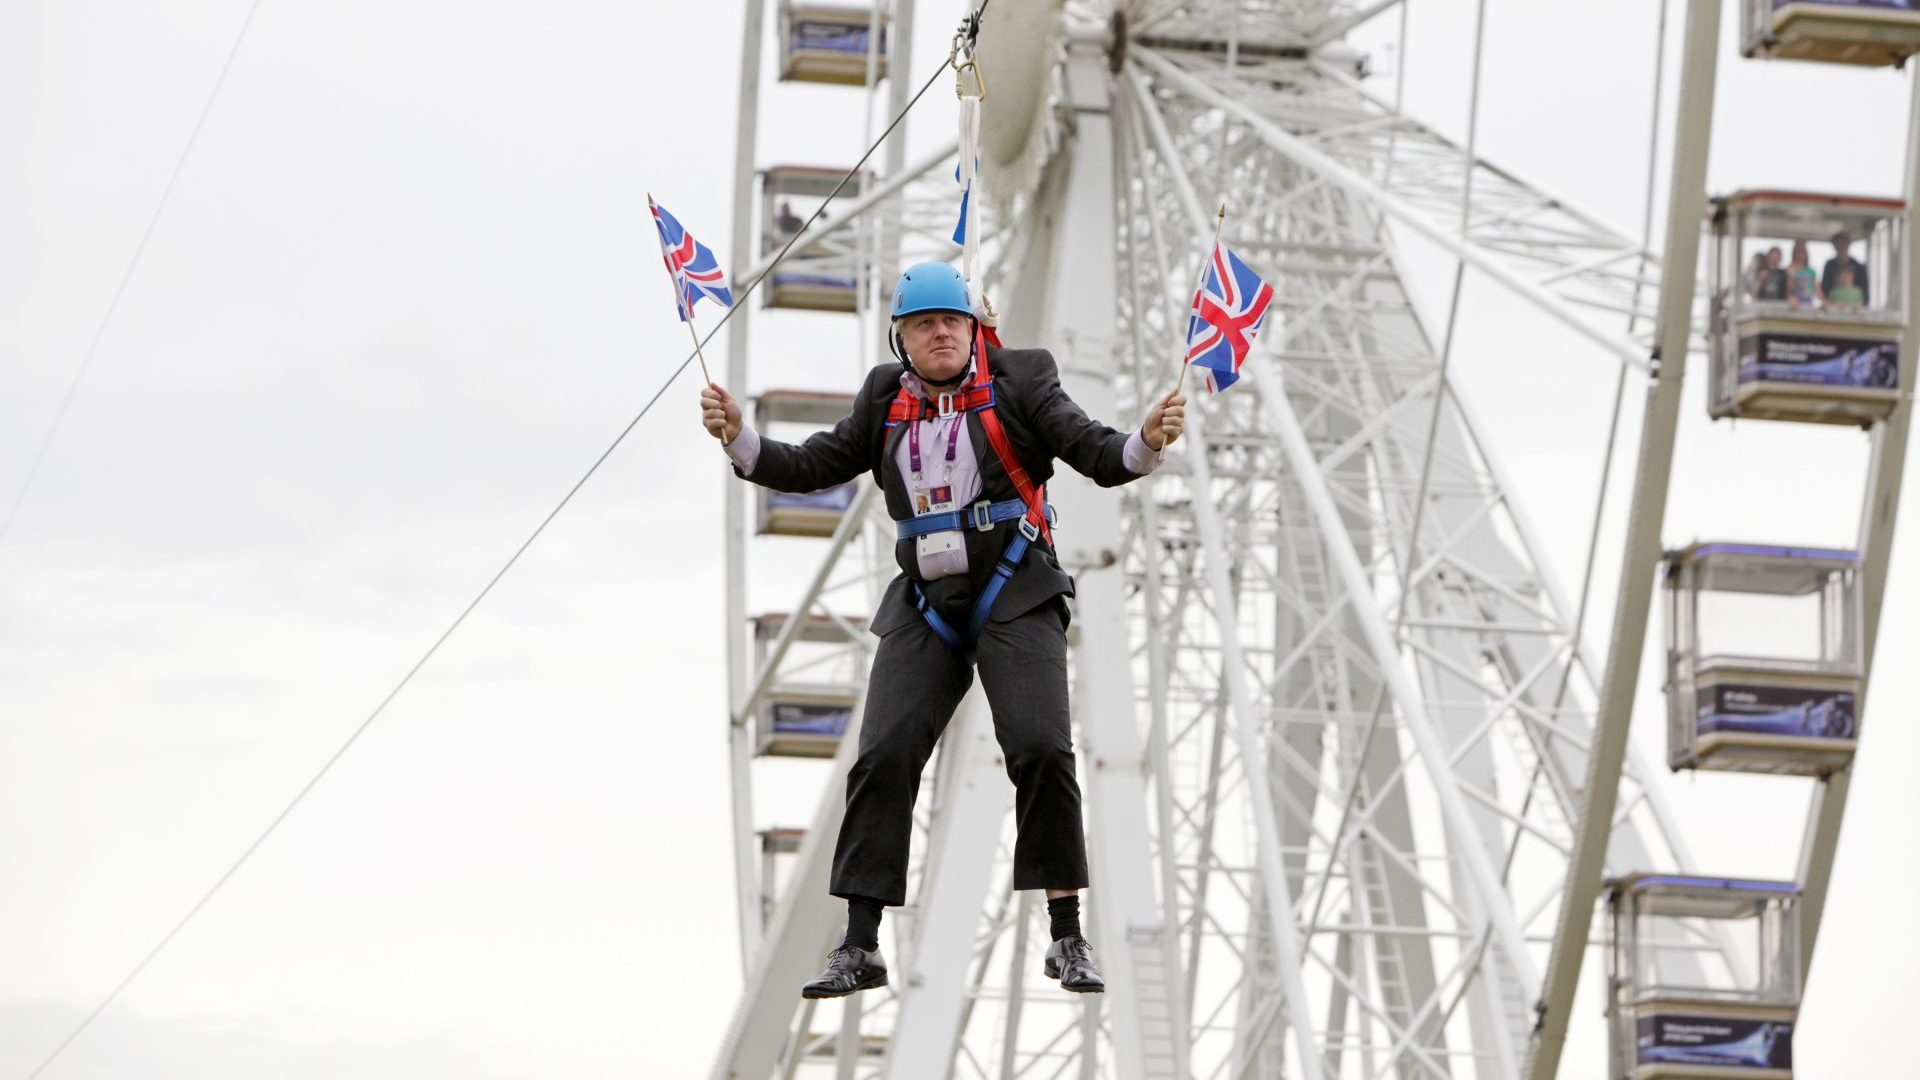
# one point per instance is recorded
(948, 403)
(1029, 530)
(982, 512)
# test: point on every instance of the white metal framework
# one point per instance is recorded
(1336, 720)
(1675, 325)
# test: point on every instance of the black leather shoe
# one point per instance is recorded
(1070, 960)
(850, 969)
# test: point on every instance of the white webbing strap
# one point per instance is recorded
(971, 88)
(969, 178)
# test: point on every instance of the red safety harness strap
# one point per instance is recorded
(1034, 496)
(907, 407)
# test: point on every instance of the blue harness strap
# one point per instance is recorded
(1010, 559)
(1002, 573)
(982, 515)
(940, 626)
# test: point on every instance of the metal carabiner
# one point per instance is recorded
(960, 80)
(963, 41)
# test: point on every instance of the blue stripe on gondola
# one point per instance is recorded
(1775, 551)
(1730, 884)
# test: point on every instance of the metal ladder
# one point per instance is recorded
(1389, 969)
(1154, 969)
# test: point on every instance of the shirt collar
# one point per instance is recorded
(912, 384)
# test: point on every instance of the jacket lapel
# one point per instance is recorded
(894, 485)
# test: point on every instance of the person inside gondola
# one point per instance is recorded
(1773, 278)
(961, 437)
(1845, 295)
(1843, 261)
(786, 220)
(1803, 285)
(1756, 275)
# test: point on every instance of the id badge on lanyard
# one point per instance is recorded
(934, 498)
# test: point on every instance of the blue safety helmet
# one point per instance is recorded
(931, 286)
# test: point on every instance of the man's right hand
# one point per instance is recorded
(720, 413)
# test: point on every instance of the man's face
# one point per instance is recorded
(1840, 245)
(937, 343)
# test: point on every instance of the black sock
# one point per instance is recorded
(863, 922)
(1065, 913)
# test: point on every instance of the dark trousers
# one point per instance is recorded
(916, 683)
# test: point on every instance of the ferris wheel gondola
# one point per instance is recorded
(1873, 33)
(1673, 1018)
(830, 43)
(1809, 306)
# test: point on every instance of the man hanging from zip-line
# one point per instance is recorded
(980, 583)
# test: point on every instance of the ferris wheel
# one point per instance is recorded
(1355, 779)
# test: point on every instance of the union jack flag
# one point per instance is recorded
(1227, 311)
(696, 273)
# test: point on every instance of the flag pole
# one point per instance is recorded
(697, 352)
(1218, 224)
(679, 302)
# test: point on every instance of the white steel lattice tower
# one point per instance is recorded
(1332, 711)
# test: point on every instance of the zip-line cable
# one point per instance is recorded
(139, 250)
(300, 796)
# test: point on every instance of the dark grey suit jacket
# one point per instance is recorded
(1041, 421)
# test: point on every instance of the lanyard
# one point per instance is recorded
(913, 446)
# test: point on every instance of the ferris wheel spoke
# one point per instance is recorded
(1426, 173)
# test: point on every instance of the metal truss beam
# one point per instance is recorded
(1822, 841)
(734, 521)
(1412, 709)
(1283, 422)
(1362, 361)
(1317, 160)
(1285, 939)
(1146, 1024)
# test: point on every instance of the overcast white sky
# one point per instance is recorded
(403, 295)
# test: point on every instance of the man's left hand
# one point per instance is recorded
(1165, 423)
